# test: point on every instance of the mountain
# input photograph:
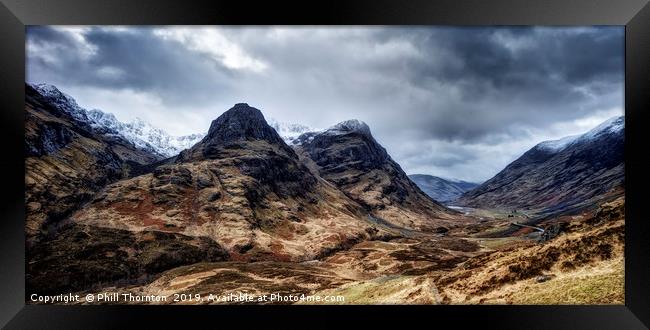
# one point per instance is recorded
(242, 187)
(440, 189)
(66, 160)
(348, 156)
(67, 163)
(138, 132)
(556, 175)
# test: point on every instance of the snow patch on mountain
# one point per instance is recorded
(611, 126)
(143, 135)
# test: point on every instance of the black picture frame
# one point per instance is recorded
(16, 14)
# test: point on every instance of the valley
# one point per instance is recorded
(242, 209)
(582, 266)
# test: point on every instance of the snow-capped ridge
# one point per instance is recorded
(62, 100)
(611, 126)
(557, 145)
(142, 134)
(351, 125)
(344, 127)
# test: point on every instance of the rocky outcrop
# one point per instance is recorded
(348, 156)
(558, 175)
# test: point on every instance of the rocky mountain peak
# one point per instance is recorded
(236, 132)
(348, 156)
(350, 126)
(241, 122)
(48, 90)
(140, 133)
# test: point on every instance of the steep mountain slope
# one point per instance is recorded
(348, 156)
(67, 161)
(241, 186)
(555, 175)
(441, 189)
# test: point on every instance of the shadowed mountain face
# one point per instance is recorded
(348, 156)
(67, 161)
(556, 175)
(440, 189)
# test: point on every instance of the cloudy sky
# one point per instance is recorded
(457, 102)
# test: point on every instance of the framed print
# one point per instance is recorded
(477, 163)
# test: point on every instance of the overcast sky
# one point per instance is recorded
(453, 102)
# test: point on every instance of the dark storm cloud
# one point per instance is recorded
(545, 74)
(454, 101)
(575, 57)
(134, 59)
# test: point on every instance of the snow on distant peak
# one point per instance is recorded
(352, 125)
(610, 126)
(48, 90)
(289, 132)
(557, 145)
(62, 100)
(143, 135)
(344, 127)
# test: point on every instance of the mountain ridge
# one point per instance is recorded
(570, 172)
(348, 156)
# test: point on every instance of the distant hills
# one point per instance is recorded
(442, 190)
